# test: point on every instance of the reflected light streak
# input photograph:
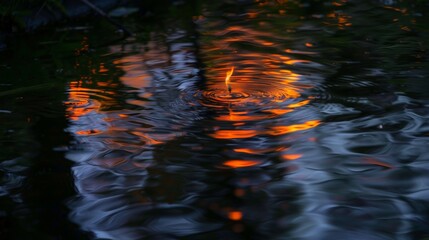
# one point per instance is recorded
(273, 131)
(234, 134)
(240, 116)
(146, 137)
(293, 61)
(279, 111)
(377, 162)
(291, 157)
(241, 163)
(299, 104)
(259, 151)
(280, 130)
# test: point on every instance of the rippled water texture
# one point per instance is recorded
(321, 132)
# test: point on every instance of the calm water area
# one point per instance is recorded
(220, 120)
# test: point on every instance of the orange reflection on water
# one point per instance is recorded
(134, 74)
(88, 132)
(77, 101)
(280, 130)
(252, 14)
(278, 111)
(102, 68)
(338, 4)
(377, 162)
(241, 163)
(293, 61)
(291, 157)
(300, 52)
(259, 151)
(146, 137)
(235, 215)
(234, 134)
(404, 10)
(240, 116)
(343, 20)
(299, 104)
(274, 131)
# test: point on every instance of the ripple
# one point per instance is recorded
(223, 96)
(220, 97)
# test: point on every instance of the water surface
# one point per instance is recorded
(323, 135)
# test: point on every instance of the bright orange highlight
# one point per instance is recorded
(280, 130)
(233, 134)
(228, 77)
(298, 104)
(235, 215)
(291, 157)
(293, 61)
(241, 163)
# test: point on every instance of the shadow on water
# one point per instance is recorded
(323, 134)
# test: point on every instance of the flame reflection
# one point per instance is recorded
(265, 85)
(227, 79)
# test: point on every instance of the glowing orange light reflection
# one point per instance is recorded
(227, 79)
(235, 215)
(280, 130)
(291, 157)
(241, 163)
(233, 134)
(274, 131)
(278, 111)
(299, 104)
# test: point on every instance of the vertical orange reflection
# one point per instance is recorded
(76, 101)
(227, 79)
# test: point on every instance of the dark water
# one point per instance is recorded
(325, 133)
